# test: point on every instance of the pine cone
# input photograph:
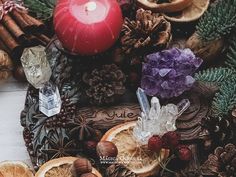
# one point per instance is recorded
(117, 170)
(5, 65)
(222, 162)
(149, 31)
(220, 130)
(105, 84)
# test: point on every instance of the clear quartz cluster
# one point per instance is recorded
(156, 119)
(38, 73)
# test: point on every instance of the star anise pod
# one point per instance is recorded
(58, 144)
(82, 128)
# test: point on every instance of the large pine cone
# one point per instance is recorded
(222, 162)
(118, 170)
(105, 84)
(148, 32)
(5, 65)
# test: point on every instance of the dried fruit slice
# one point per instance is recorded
(15, 169)
(137, 158)
(191, 13)
(173, 6)
(60, 167)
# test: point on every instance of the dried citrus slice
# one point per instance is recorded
(135, 157)
(15, 169)
(191, 13)
(173, 6)
(60, 167)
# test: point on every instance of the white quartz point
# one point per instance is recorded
(155, 108)
(143, 101)
(183, 105)
(49, 99)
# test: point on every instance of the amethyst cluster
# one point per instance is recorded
(168, 73)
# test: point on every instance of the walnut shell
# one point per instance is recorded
(5, 65)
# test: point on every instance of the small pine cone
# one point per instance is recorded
(117, 170)
(105, 85)
(149, 31)
(222, 162)
(220, 129)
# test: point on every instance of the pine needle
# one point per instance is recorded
(218, 21)
(225, 99)
(215, 75)
(43, 9)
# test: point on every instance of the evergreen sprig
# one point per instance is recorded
(215, 75)
(225, 99)
(231, 55)
(218, 21)
(225, 79)
(43, 9)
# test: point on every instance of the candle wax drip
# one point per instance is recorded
(89, 12)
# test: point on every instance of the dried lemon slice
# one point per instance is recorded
(191, 13)
(135, 157)
(15, 169)
(60, 167)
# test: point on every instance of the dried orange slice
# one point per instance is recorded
(15, 169)
(135, 157)
(173, 6)
(191, 13)
(60, 167)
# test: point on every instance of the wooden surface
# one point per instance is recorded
(12, 98)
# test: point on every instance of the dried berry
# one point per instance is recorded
(170, 140)
(155, 143)
(90, 146)
(184, 153)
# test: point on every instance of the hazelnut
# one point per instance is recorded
(81, 166)
(88, 175)
(106, 149)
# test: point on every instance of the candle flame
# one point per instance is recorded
(90, 6)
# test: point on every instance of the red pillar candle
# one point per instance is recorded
(87, 27)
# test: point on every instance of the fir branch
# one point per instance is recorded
(215, 75)
(43, 9)
(218, 21)
(225, 99)
(231, 55)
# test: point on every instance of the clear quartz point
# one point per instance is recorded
(49, 99)
(143, 101)
(36, 66)
(141, 135)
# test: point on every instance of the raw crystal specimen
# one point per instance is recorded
(159, 120)
(143, 101)
(169, 73)
(36, 66)
(49, 99)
